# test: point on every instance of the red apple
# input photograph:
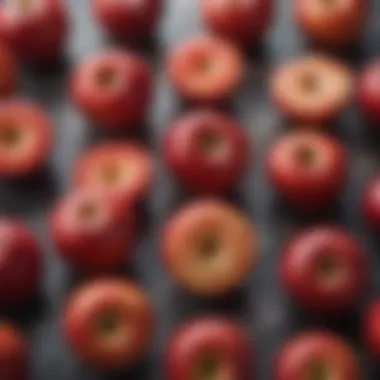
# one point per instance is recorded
(371, 203)
(9, 73)
(324, 269)
(308, 168)
(371, 328)
(109, 323)
(209, 247)
(242, 21)
(35, 29)
(132, 20)
(14, 356)
(20, 264)
(113, 89)
(312, 89)
(92, 231)
(25, 138)
(317, 355)
(209, 348)
(332, 23)
(208, 151)
(124, 170)
(206, 70)
(369, 92)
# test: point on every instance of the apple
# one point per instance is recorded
(206, 70)
(209, 348)
(109, 323)
(113, 89)
(241, 21)
(124, 170)
(332, 23)
(14, 353)
(131, 20)
(92, 232)
(9, 74)
(25, 138)
(20, 264)
(308, 168)
(325, 269)
(371, 203)
(371, 328)
(317, 355)
(35, 29)
(312, 89)
(369, 92)
(208, 151)
(209, 247)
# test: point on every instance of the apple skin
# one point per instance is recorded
(14, 353)
(207, 151)
(21, 264)
(124, 170)
(308, 168)
(334, 25)
(369, 92)
(371, 331)
(206, 70)
(209, 247)
(371, 203)
(324, 269)
(109, 323)
(113, 89)
(206, 339)
(9, 74)
(37, 34)
(25, 138)
(129, 20)
(313, 89)
(242, 22)
(92, 232)
(312, 351)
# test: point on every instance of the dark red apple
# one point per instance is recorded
(207, 151)
(113, 89)
(325, 269)
(209, 348)
(209, 247)
(371, 203)
(332, 23)
(317, 355)
(206, 70)
(308, 168)
(14, 354)
(371, 328)
(92, 232)
(35, 29)
(109, 323)
(133, 20)
(20, 264)
(9, 72)
(369, 92)
(242, 21)
(124, 170)
(312, 89)
(25, 138)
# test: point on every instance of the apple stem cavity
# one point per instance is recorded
(106, 78)
(10, 137)
(25, 7)
(309, 82)
(88, 211)
(107, 326)
(319, 370)
(329, 269)
(306, 156)
(207, 369)
(210, 143)
(209, 247)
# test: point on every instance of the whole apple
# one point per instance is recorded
(317, 355)
(209, 247)
(371, 331)
(113, 89)
(371, 203)
(109, 323)
(131, 20)
(208, 151)
(35, 29)
(209, 348)
(325, 269)
(242, 21)
(308, 168)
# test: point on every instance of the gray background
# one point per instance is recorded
(260, 306)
